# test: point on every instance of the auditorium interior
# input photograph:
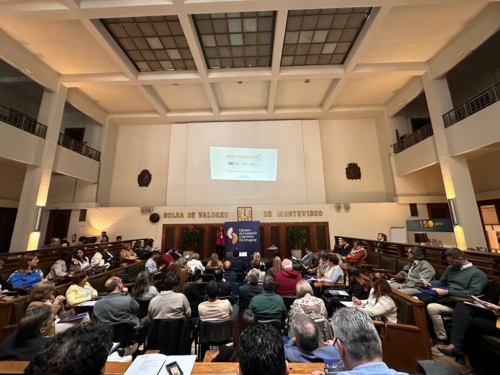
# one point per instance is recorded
(148, 118)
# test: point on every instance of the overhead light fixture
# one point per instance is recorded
(240, 82)
(307, 80)
(39, 217)
(175, 84)
(453, 212)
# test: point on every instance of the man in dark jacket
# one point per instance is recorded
(345, 247)
(286, 279)
(238, 264)
(250, 290)
(225, 286)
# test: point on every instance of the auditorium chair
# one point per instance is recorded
(170, 336)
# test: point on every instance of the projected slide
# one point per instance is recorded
(251, 164)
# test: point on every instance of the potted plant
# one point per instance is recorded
(189, 240)
(296, 236)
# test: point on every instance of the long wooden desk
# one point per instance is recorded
(200, 368)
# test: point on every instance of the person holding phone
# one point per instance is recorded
(417, 271)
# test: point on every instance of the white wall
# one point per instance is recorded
(73, 164)
(12, 181)
(73, 118)
(424, 182)
(421, 155)
(66, 189)
(21, 146)
(138, 148)
(484, 172)
(351, 141)
(24, 97)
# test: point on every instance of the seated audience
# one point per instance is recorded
(31, 333)
(333, 275)
(460, 279)
(238, 264)
(313, 268)
(102, 258)
(359, 287)
(270, 262)
(118, 306)
(256, 257)
(308, 259)
(257, 266)
(167, 257)
(4, 284)
(104, 239)
(195, 263)
(358, 253)
(253, 287)
(119, 239)
(214, 262)
(229, 274)
(60, 270)
(261, 351)
(412, 275)
(189, 290)
(229, 353)
(28, 273)
(143, 288)
(214, 308)
(152, 268)
(470, 323)
(80, 350)
(275, 267)
(268, 305)
(345, 247)
(303, 346)
(81, 290)
(226, 288)
(80, 261)
(306, 303)
(381, 237)
(53, 242)
(43, 295)
(127, 254)
(169, 305)
(358, 344)
(379, 302)
(286, 279)
(149, 245)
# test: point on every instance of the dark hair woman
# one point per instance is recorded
(189, 290)
(143, 288)
(359, 287)
(230, 353)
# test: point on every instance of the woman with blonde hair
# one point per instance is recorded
(256, 258)
(275, 268)
(214, 261)
(195, 263)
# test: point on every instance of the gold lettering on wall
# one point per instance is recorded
(304, 213)
(225, 214)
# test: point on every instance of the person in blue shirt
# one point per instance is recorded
(28, 274)
(304, 346)
(358, 344)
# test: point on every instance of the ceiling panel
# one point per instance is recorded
(417, 33)
(245, 95)
(301, 94)
(65, 46)
(118, 98)
(183, 97)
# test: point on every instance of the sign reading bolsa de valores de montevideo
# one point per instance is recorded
(225, 214)
(428, 225)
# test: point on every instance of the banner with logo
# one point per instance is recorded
(243, 235)
(429, 225)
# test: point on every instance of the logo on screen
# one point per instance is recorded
(233, 236)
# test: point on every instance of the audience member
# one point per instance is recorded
(214, 261)
(381, 237)
(118, 306)
(257, 266)
(286, 279)
(80, 261)
(195, 263)
(127, 254)
(119, 239)
(102, 258)
(275, 267)
(229, 274)
(359, 287)
(313, 269)
(143, 288)
(104, 239)
(169, 305)
(53, 242)
(358, 344)
(306, 303)
(229, 353)
(167, 258)
(149, 246)
(253, 288)
(345, 247)
(43, 295)
(256, 257)
(30, 335)
(412, 275)
(214, 308)
(333, 275)
(303, 346)
(308, 259)
(357, 253)
(28, 273)
(379, 302)
(81, 350)
(261, 351)
(151, 266)
(4, 284)
(237, 263)
(268, 305)
(322, 265)
(226, 288)
(80, 291)
(460, 279)
(270, 262)
(189, 290)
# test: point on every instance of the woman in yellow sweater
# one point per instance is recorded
(81, 290)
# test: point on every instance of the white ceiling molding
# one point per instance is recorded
(405, 95)
(87, 106)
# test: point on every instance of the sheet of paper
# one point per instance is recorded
(87, 303)
(475, 305)
(148, 364)
(347, 303)
(341, 292)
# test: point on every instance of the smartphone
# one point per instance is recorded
(174, 369)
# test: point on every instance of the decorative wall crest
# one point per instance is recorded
(144, 178)
(353, 171)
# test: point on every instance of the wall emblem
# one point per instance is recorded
(353, 172)
(144, 178)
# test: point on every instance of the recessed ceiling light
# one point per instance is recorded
(175, 84)
(307, 80)
(240, 82)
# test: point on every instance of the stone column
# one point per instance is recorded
(456, 177)
(37, 178)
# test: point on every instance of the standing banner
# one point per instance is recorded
(243, 235)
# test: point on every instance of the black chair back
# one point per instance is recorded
(170, 336)
(229, 298)
(207, 277)
(215, 333)
(288, 301)
(274, 323)
(143, 306)
(201, 288)
(244, 303)
(124, 333)
(240, 277)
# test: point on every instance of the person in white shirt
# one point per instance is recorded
(101, 258)
(379, 302)
(195, 262)
(214, 308)
(80, 261)
(169, 305)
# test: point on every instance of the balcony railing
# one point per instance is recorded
(412, 139)
(78, 147)
(21, 121)
(473, 105)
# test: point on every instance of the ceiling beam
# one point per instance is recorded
(332, 93)
(152, 97)
(403, 96)
(87, 106)
(279, 38)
